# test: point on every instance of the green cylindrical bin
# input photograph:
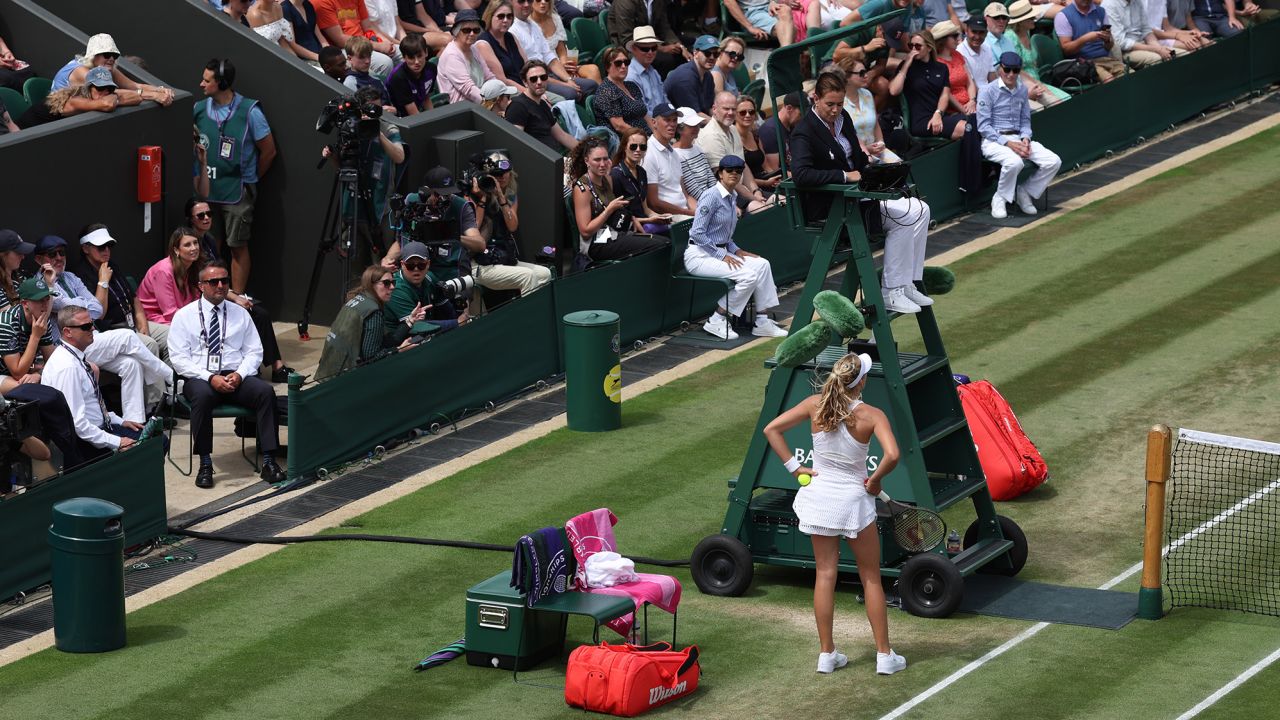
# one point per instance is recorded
(592, 371)
(87, 543)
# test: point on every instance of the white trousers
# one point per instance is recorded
(523, 276)
(141, 372)
(752, 279)
(1046, 162)
(906, 224)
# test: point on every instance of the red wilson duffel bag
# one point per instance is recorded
(627, 680)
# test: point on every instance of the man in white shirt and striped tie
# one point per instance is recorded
(214, 346)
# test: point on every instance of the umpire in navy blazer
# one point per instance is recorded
(817, 158)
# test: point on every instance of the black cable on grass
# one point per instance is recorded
(464, 544)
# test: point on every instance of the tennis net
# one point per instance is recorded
(1222, 523)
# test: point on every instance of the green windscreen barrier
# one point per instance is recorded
(134, 480)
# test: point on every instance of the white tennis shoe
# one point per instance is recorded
(1025, 203)
(765, 327)
(916, 296)
(718, 325)
(895, 300)
(829, 662)
(889, 663)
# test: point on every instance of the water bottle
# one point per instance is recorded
(953, 542)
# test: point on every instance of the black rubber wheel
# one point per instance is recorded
(1017, 554)
(722, 565)
(930, 586)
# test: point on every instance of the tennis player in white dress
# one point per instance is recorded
(840, 499)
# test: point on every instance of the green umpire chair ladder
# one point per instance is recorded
(938, 465)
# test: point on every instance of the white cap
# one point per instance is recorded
(495, 88)
(98, 237)
(690, 117)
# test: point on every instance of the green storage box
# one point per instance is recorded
(503, 633)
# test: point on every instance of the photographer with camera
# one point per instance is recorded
(490, 243)
(370, 149)
(421, 295)
(437, 217)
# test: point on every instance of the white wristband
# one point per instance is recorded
(791, 465)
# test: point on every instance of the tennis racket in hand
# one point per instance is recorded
(914, 529)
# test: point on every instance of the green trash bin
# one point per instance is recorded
(592, 371)
(87, 544)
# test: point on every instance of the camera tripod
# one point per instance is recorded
(333, 236)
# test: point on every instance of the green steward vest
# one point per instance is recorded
(343, 344)
(225, 184)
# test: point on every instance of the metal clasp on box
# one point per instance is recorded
(492, 616)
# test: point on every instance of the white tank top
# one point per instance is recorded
(836, 454)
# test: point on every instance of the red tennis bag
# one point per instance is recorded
(627, 680)
(1009, 459)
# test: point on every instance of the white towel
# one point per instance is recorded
(606, 569)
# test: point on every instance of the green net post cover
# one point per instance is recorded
(593, 370)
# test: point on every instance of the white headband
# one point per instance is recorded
(94, 237)
(864, 367)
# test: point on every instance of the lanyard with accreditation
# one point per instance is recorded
(212, 345)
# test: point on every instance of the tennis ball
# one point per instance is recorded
(838, 311)
(804, 479)
(938, 280)
(804, 344)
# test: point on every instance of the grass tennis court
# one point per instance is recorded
(1155, 305)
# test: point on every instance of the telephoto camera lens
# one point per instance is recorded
(455, 288)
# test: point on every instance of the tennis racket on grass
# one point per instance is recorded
(914, 529)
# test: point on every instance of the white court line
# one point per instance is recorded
(1240, 680)
(1031, 631)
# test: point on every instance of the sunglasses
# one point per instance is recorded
(536, 79)
(56, 252)
(917, 46)
(204, 215)
(618, 63)
(746, 113)
(469, 31)
(734, 56)
(387, 283)
(87, 327)
(224, 280)
(110, 56)
(1008, 69)
(860, 73)
(503, 16)
(644, 48)
(415, 266)
(638, 146)
(711, 54)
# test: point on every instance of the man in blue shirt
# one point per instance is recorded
(1004, 122)
(690, 85)
(712, 253)
(1216, 17)
(1083, 31)
(644, 48)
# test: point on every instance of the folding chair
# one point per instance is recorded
(225, 410)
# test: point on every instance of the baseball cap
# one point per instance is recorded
(996, 9)
(663, 110)
(12, 241)
(731, 162)
(690, 117)
(98, 237)
(1011, 60)
(100, 77)
(495, 88)
(414, 249)
(49, 242)
(977, 22)
(33, 289)
(705, 42)
(439, 179)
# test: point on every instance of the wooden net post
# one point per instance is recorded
(1159, 447)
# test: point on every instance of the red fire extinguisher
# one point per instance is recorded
(149, 174)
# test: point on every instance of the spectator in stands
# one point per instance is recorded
(925, 81)
(826, 14)
(101, 51)
(13, 72)
(171, 283)
(1168, 19)
(497, 47)
(627, 17)
(712, 253)
(606, 225)
(410, 84)
(1004, 120)
(875, 8)
(301, 14)
(561, 81)
(978, 57)
(13, 250)
(461, 72)
(1021, 23)
(696, 174)
(359, 334)
(732, 51)
(497, 96)
(786, 117)
(720, 137)
(242, 149)
(1083, 31)
(7, 124)
(825, 150)
(690, 85)
(491, 247)
(745, 116)
(549, 21)
(416, 296)
(25, 340)
(415, 18)
(142, 374)
(268, 20)
(936, 11)
(762, 19)
(385, 21)
(333, 62)
(1215, 17)
(997, 16)
(120, 306)
(618, 101)
(236, 11)
(71, 372)
(644, 48)
(964, 94)
(98, 94)
(630, 181)
(861, 108)
(214, 347)
(531, 113)
(665, 193)
(341, 19)
(359, 55)
(878, 58)
(1138, 43)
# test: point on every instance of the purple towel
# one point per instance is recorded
(542, 565)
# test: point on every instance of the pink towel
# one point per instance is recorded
(592, 532)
